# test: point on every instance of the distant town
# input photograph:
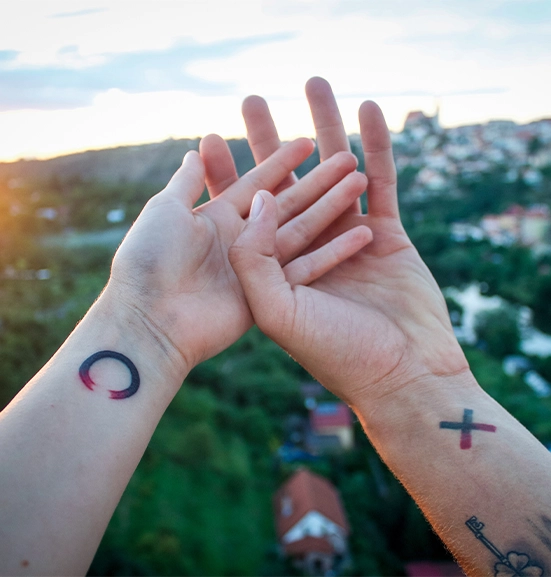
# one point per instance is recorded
(438, 157)
(435, 159)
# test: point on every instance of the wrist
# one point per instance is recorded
(424, 400)
(425, 359)
(127, 329)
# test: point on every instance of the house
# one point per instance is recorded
(503, 229)
(311, 524)
(417, 118)
(331, 425)
(529, 226)
(535, 225)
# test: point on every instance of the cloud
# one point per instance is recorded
(58, 87)
(488, 40)
(521, 27)
(427, 93)
(8, 55)
(401, 93)
(78, 13)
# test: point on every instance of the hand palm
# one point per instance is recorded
(188, 287)
(377, 314)
(173, 267)
(371, 302)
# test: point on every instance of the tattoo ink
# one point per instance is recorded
(84, 373)
(466, 426)
(543, 531)
(513, 564)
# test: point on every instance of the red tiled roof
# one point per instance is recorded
(524, 135)
(538, 211)
(330, 415)
(415, 115)
(305, 492)
(515, 209)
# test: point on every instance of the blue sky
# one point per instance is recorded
(57, 86)
(88, 73)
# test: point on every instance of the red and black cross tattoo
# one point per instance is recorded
(466, 426)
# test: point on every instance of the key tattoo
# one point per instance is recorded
(513, 564)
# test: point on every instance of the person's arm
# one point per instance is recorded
(71, 439)
(375, 331)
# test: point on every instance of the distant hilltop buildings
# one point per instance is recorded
(517, 225)
(527, 226)
(420, 125)
(438, 157)
(432, 162)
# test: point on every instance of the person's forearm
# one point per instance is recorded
(479, 476)
(71, 439)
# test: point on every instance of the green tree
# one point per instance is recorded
(498, 330)
(540, 304)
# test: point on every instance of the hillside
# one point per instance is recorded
(148, 163)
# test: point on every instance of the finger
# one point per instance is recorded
(261, 130)
(313, 185)
(220, 171)
(188, 181)
(299, 233)
(330, 132)
(382, 196)
(269, 174)
(252, 257)
(262, 133)
(312, 266)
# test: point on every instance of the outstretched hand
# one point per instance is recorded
(377, 321)
(172, 269)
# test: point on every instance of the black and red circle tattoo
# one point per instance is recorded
(132, 389)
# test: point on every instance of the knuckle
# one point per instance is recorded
(344, 159)
(386, 181)
(356, 181)
(302, 232)
(237, 253)
(157, 200)
(286, 204)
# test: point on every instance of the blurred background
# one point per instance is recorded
(255, 469)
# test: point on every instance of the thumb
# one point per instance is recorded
(253, 259)
(188, 182)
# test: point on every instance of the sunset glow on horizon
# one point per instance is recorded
(86, 75)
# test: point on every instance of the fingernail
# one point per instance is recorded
(256, 206)
(186, 157)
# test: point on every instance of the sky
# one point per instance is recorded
(88, 74)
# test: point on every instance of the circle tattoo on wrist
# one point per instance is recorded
(132, 389)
